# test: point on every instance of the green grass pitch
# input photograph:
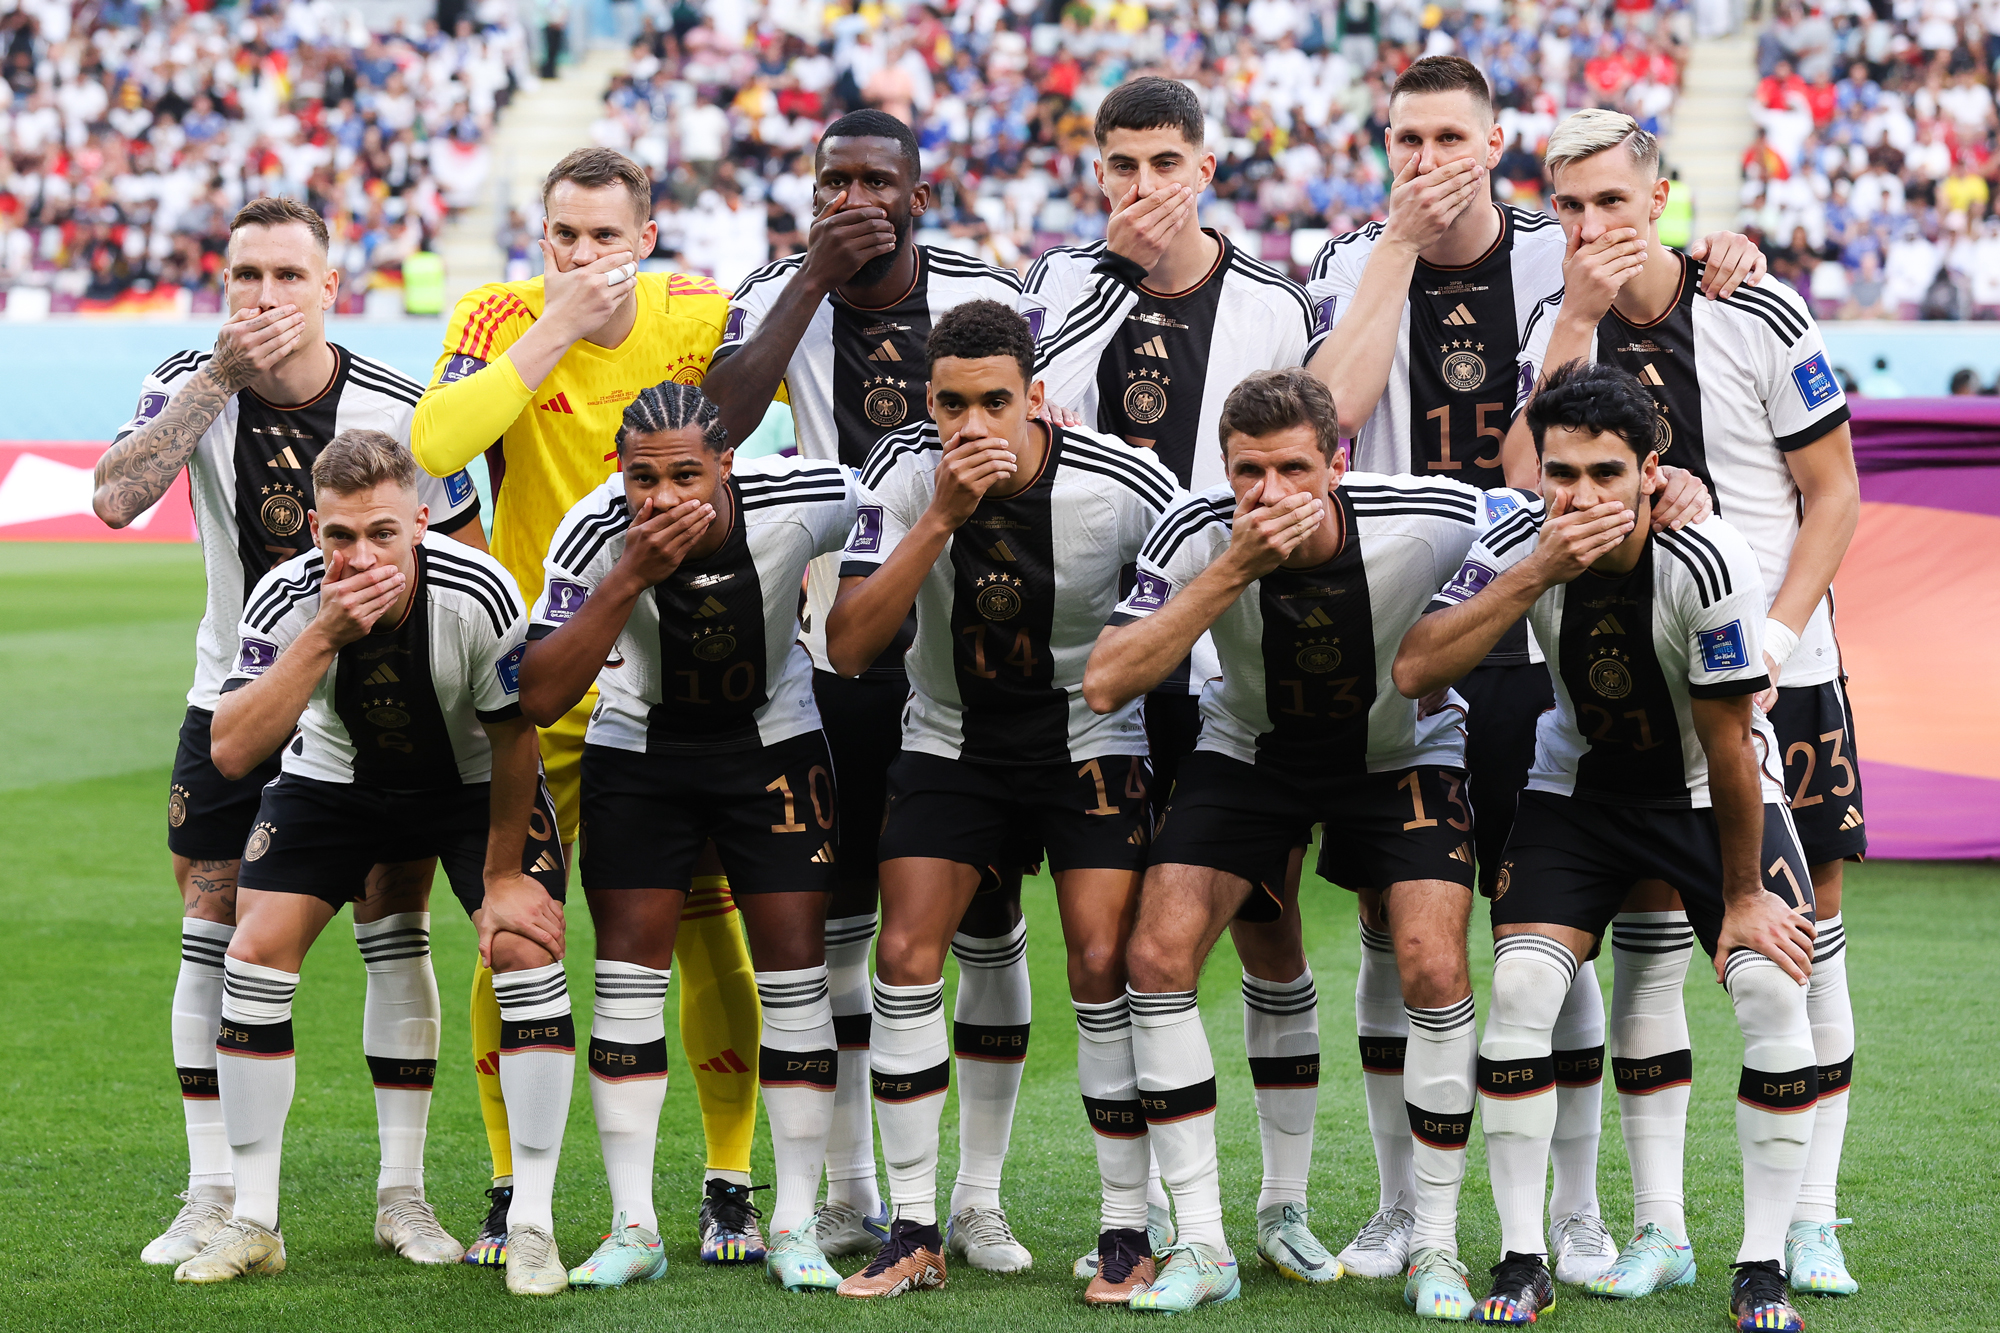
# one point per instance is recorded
(94, 656)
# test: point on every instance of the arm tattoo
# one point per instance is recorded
(136, 472)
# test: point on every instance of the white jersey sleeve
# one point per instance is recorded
(889, 500)
(1720, 611)
(752, 301)
(277, 611)
(1800, 392)
(586, 545)
(1106, 290)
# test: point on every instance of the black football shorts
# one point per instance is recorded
(1822, 773)
(1086, 816)
(209, 816)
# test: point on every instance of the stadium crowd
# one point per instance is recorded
(1872, 175)
(134, 132)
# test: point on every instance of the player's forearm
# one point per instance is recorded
(516, 773)
(536, 352)
(1447, 643)
(1830, 509)
(1519, 462)
(458, 420)
(1570, 340)
(1723, 727)
(558, 670)
(252, 722)
(135, 472)
(1067, 361)
(744, 383)
(868, 612)
(1359, 353)
(1131, 660)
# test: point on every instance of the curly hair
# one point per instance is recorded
(1601, 399)
(673, 406)
(982, 328)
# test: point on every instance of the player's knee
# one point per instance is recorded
(517, 953)
(1096, 967)
(1431, 981)
(903, 959)
(1155, 963)
(1528, 991)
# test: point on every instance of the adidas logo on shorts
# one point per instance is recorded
(1851, 821)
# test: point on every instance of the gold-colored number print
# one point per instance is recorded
(1498, 434)
(1095, 772)
(1342, 701)
(1799, 798)
(1444, 462)
(822, 810)
(739, 682)
(1840, 760)
(784, 787)
(977, 633)
(1779, 867)
(1454, 791)
(1412, 783)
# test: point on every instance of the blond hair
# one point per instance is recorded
(360, 460)
(1596, 130)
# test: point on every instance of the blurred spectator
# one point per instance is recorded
(1964, 382)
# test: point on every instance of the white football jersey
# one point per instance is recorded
(709, 660)
(1741, 382)
(1306, 654)
(250, 479)
(1007, 616)
(1627, 654)
(401, 707)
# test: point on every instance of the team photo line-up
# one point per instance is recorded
(1073, 570)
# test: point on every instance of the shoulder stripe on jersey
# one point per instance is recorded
(778, 269)
(1174, 531)
(1510, 532)
(277, 600)
(829, 495)
(478, 592)
(1098, 309)
(1148, 481)
(1039, 269)
(1258, 271)
(1362, 492)
(1323, 261)
(381, 370)
(593, 531)
(813, 471)
(1548, 305)
(1784, 321)
(1391, 510)
(181, 363)
(1696, 567)
(915, 438)
(806, 481)
(466, 568)
(1524, 220)
(1704, 561)
(1153, 499)
(402, 390)
(965, 266)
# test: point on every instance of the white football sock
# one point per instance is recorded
(256, 1080)
(990, 1040)
(1517, 1076)
(197, 1011)
(1579, 1054)
(537, 1069)
(628, 1081)
(910, 1063)
(850, 1143)
(1652, 1061)
(1384, 1028)
(1832, 1017)
(796, 1068)
(1438, 1097)
(399, 1039)
(1281, 1039)
(1774, 1100)
(1156, 1188)
(1176, 1075)
(1110, 1083)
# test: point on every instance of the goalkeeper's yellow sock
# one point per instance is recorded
(721, 1023)
(486, 1066)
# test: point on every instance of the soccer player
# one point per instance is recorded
(1427, 313)
(1144, 333)
(1654, 764)
(1749, 405)
(247, 420)
(395, 655)
(841, 328)
(536, 374)
(674, 586)
(1007, 535)
(1305, 576)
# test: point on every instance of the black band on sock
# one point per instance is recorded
(1006, 1045)
(1650, 1073)
(1383, 1055)
(1285, 1071)
(411, 1075)
(913, 1085)
(538, 1034)
(851, 1031)
(1115, 1120)
(618, 1061)
(265, 1041)
(798, 1069)
(198, 1085)
(1439, 1129)
(1793, 1090)
(1832, 1078)
(1172, 1104)
(1511, 1079)
(1580, 1068)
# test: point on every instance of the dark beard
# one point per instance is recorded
(876, 270)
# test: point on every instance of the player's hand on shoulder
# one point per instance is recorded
(843, 238)
(1142, 230)
(1423, 205)
(517, 905)
(1573, 540)
(578, 301)
(1679, 500)
(1595, 272)
(1052, 413)
(659, 539)
(252, 341)
(1731, 260)
(1262, 537)
(1766, 923)
(968, 470)
(350, 604)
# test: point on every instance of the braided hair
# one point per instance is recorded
(673, 406)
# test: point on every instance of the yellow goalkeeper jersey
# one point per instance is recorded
(558, 442)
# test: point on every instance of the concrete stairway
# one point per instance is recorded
(1712, 127)
(545, 121)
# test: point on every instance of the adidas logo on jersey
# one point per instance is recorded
(1460, 317)
(709, 607)
(886, 352)
(559, 403)
(381, 675)
(1462, 852)
(286, 458)
(1648, 375)
(726, 1063)
(1319, 619)
(824, 856)
(1851, 821)
(1001, 551)
(545, 862)
(1608, 625)
(1154, 346)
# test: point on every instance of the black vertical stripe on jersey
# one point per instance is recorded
(894, 387)
(1464, 346)
(1319, 660)
(1155, 402)
(273, 487)
(712, 651)
(385, 698)
(1001, 659)
(1634, 736)
(1665, 348)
